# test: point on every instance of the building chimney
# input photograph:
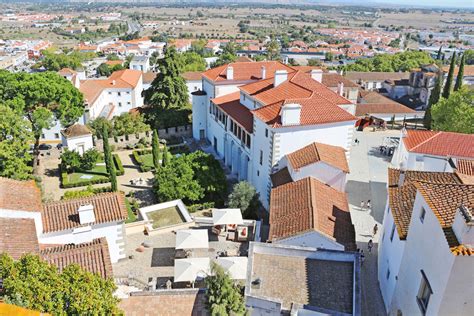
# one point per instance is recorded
(264, 72)
(86, 214)
(463, 224)
(113, 82)
(290, 114)
(317, 74)
(280, 77)
(340, 88)
(230, 73)
(401, 179)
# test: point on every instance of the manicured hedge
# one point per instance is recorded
(200, 206)
(118, 165)
(137, 156)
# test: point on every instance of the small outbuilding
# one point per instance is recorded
(77, 137)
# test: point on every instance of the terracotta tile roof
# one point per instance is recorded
(374, 97)
(243, 59)
(402, 197)
(230, 104)
(281, 177)
(244, 71)
(92, 256)
(356, 76)
(192, 76)
(309, 205)
(63, 215)
(363, 109)
(18, 236)
(444, 200)
(465, 167)
(76, 130)
(122, 79)
(332, 80)
(332, 155)
(440, 143)
(19, 195)
(114, 62)
(468, 70)
(149, 76)
(66, 71)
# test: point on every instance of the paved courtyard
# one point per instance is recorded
(367, 181)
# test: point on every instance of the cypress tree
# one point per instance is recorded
(440, 53)
(460, 76)
(434, 98)
(106, 147)
(165, 160)
(109, 162)
(449, 80)
(113, 175)
(155, 150)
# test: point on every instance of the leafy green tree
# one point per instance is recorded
(456, 113)
(33, 283)
(112, 57)
(273, 50)
(440, 53)
(166, 157)
(469, 56)
(434, 98)
(223, 296)
(41, 98)
(99, 124)
(89, 159)
(245, 197)
(70, 160)
(129, 123)
(449, 81)
(460, 76)
(168, 95)
(155, 150)
(403, 61)
(191, 61)
(14, 148)
(104, 70)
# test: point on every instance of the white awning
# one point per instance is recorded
(227, 216)
(192, 239)
(235, 266)
(187, 270)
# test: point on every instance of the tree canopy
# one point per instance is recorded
(403, 61)
(245, 197)
(33, 283)
(168, 94)
(448, 86)
(195, 177)
(124, 124)
(41, 98)
(456, 113)
(54, 62)
(224, 297)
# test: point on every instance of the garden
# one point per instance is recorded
(90, 168)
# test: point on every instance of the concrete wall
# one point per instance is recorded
(79, 144)
(426, 249)
(313, 240)
(193, 85)
(457, 299)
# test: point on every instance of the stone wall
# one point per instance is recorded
(121, 142)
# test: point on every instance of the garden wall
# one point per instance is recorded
(121, 142)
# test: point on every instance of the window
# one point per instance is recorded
(42, 136)
(388, 274)
(128, 92)
(393, 232)
(244, 97)
(266, 132)
(129, 103)
(120, 104)
(424, 293)
(261, 157)
(258, 173)
(254, 104)
(110, 92)
(56, 135)
(422, 215)
(119, 93)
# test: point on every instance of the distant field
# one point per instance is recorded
(421, 20)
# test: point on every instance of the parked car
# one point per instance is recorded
(59, 146)
(45, 147)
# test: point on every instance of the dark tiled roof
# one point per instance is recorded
(309, 205)
(332, 155)
(332, 80)
(20, 195)
(18, 236)
(92, 256)
(76, 130)
(376, 76)
(63, 215)
(281, 177)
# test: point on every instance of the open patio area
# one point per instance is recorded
(150, 259)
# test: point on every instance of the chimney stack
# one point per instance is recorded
(113, 82)
(230, 73)
(340, 88)
(86, 214)
(317, 74)
(264, 72)
(290, 114)
(280, 77)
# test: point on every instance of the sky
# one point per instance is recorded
(431, 3)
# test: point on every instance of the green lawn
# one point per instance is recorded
(165, 217)
(98, 172)
(131, 216)
(147, 159)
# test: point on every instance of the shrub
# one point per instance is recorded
(70, 160)
(200, 206)
(89, 159)
(118, 165)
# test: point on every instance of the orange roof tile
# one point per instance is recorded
(114, 62)
(363, 109)
(309, 205)
(332, 155)
(440, 143)
(63, 215)
(192, 75)
(20, 195)
(18, 237)
(91, 256)
(230, 104)
(246, 71)
(465, 167)
(332, 80)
